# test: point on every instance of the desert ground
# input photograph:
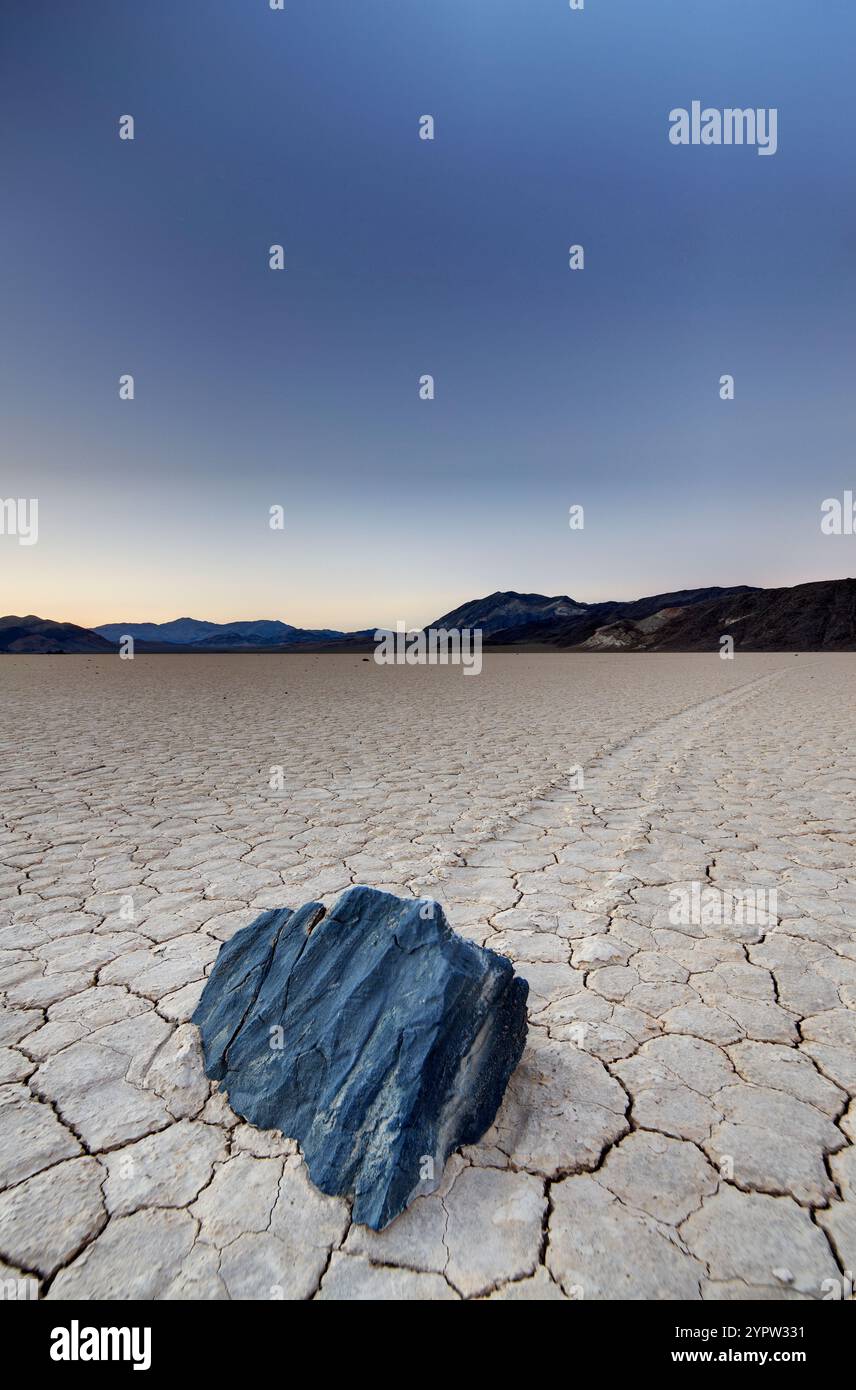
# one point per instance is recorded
(682, 1123)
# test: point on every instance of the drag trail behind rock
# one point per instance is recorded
(680, 1124)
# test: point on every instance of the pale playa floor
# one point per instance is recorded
(679, 1126)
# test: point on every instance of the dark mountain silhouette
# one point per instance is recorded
(507, 609)
(808, 617)
(256, 635)
(32, 634)
(510, 619)
(185, 632)
(181, 630)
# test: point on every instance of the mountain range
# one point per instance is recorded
(808, 617)
(32, 634)
(195, 632)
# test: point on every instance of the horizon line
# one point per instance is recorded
(368, 627)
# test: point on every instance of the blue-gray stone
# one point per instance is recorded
(373, 1035)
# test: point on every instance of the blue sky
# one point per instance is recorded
(255, 388)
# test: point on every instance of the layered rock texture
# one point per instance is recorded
(373, 1035)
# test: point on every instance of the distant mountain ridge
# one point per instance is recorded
(32, 634)
(262, 632)
(809, 617)
(507, 609)
(510, 618)
(819, 616)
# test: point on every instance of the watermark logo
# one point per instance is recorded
(18, 1290)
(838, 515)
(715, 907)
(730, 126)
(76, 1343)
(431, 646)
(19, 516)
(835, 1289)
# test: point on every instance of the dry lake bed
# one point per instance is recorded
(682, 1124)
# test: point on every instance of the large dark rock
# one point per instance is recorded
(373, 1035)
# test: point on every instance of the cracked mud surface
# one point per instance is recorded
(682, 1123)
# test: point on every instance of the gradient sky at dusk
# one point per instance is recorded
(404, 257)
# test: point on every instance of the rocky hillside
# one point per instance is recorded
(32, 634)
(809, 617)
